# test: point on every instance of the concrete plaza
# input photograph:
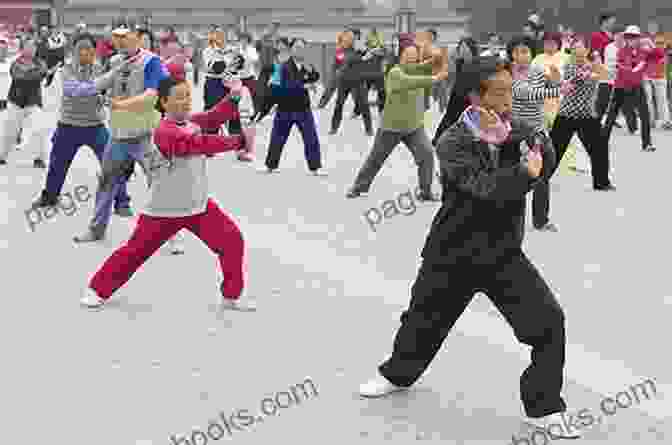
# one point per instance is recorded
(161, 360)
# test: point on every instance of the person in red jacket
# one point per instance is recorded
(633, 60)
(179, 197)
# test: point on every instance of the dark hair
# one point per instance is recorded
(471, 44)
(146, 32)
(84, 36)
(286, 41)
(299, 39)
(554, 37)
(585, 38)
(519, 41)
(165, 90)
(606, 16)
(475, 74)
(472, 79)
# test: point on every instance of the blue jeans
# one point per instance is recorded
(118, 162)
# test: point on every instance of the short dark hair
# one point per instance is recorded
(519, 41)
(166, 86)
(84, 36)
(284, 41)
(476, 73)
(554, 37)
(606, 16)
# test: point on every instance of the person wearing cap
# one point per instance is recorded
(81, 122)
(632, 62)
(132, 84)
(655, 85)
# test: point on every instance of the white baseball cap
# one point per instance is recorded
(632, 30)
(124, 27)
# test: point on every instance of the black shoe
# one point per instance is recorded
(548, 227)
(3, 162)
(428, 197)
(45, 201)
(604, 188)
(39, 163)
(649, 147)
(355, 194)
(332, 132)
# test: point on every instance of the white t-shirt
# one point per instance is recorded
(251, 60)
(611, 60)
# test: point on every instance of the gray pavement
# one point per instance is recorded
(160, 360)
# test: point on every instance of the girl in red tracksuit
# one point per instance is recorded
(179, 197)
(633, 59)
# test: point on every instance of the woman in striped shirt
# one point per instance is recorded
(578, 115)
(530, 91)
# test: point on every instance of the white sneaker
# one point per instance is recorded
(378, 387)
(243, 304)
(265, 170)
(556, 426)
(91, 299)
(176, 244)
(319, 172)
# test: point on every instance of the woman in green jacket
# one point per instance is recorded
(403, 121)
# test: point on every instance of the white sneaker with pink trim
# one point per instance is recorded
(91, 299)
(243, 304)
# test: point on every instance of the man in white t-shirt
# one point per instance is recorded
(248, 75)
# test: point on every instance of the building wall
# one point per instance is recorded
(313, 28)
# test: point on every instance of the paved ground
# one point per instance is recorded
(161, 361)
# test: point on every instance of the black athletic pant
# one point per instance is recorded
(359, 94)
(589, 131)
(619, 99)
(604, 97)
(440, 295)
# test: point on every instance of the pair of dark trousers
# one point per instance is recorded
(620, 99)
(440, 295)
(589, 131)
(66, 142)
(604, 97)
(282, 126)
(213, 92)
(332, 86)
(379, 85)
(359, 94)
(385, 142)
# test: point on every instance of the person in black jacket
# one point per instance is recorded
(475, 244)
(293, 107)
(355, 69)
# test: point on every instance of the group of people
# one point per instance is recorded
(510, 114)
